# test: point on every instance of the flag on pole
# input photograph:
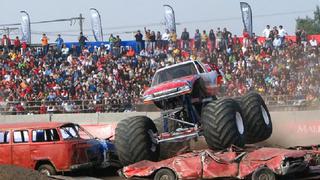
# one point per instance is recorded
(96, 24)
(246, 17)
(169, 18)
(25, 27)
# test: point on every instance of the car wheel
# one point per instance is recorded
(263, 173)
(47, 170)
(165, 174)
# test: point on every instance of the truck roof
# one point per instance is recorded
(174, 65)
(33, 125)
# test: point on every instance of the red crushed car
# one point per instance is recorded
(254, 163)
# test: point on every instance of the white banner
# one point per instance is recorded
(25, 27)
(96, 24)
(169, 18)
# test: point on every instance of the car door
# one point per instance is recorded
(5, 147)
(21, 149)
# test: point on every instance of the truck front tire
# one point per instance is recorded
(135, 140)
(222, 124)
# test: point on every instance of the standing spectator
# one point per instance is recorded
(185, 38)
(165, 39)
(282, 34)
(112, 41)
(59, 42)
(173, 38)
(266, 31)
(17, 44)
(158, 40)
(219, 38)
(304, 37)
(139, 40)
(204, 39)
(117, 46)
(298, 36)
(225, 36)
(82, 40)
(6, 43)
(153, 40)
(197, 40)
(277, 42)
(45, 44)
(212, 39)
(147, 39)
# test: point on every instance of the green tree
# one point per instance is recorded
(310, 25)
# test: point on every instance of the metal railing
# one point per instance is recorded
(278, 102)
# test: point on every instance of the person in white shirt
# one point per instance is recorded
(165, 39)
(277, 42)
(282, 34)
(266, 32)
(313, 42)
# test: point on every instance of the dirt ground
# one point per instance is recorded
(18, 173)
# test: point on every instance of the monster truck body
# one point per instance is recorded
(186, 93)
(169, 84)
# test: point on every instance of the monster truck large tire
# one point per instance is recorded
(134, 141)
(222, 124)
(256, 117)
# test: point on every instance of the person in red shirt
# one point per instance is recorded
(17, 44)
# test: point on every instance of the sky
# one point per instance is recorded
(123, 17)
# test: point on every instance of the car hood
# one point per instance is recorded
(175, 83)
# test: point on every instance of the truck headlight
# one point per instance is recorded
(184, 88)
(147, 97)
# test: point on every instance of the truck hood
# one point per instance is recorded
(170, 85)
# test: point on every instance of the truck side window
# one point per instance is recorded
(20, 136)
(199, 67)
(4, 137)
(45, 135)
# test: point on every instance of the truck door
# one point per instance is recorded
(21, 149)
(5, 147)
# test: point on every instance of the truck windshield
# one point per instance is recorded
(174, 72)
(74, 132)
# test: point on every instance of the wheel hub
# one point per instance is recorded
(165, 177)
(45, 172)
(265, 115)
(239, 123)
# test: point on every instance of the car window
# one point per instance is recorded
(69, 132)
(45, 135)
(4, 137)
(20, 136)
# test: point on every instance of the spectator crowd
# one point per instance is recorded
(55, 78)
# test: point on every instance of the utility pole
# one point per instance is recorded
(81, 23)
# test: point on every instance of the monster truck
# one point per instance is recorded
(186, 93)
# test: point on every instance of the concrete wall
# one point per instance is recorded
(290, 128)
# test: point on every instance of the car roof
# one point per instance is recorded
(33, 125)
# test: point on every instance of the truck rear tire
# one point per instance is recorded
(135, 141)
(222, 124)
(257, 118)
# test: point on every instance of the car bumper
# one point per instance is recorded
(166, 96)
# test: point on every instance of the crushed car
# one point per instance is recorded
(252, 163)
